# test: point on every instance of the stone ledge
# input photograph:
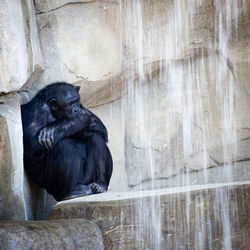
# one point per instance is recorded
(120, 196)
(178, 217)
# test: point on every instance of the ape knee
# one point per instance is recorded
(96, 148)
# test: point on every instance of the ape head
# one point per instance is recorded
(65, 101)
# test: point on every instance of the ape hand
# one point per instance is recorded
(46, 137)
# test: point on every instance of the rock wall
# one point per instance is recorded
(11, 167)
(124, 55)
(21, 62)
(118, 45)
(21, 56)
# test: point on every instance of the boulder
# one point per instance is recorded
(212, 216)
(57, 234)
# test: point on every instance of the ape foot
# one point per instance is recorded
(97, 188)
(80, 190)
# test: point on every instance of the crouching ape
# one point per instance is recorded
(65, 148)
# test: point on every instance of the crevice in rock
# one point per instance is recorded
(72, 72)
(214, 160)
(190, 171)
(71, 3)
(7, 94)
(27, 31)
(120, 226)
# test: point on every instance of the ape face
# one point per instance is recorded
(71, 109)
(66, 104)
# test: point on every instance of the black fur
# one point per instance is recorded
(65, 148)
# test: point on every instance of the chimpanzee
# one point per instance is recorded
(65, 148)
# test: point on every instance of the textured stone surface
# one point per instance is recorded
(58, 234)
(20, 55)
(111, 48)
(20, 198)
(239, 171)
(176, 127)
(87, 54)
(176, 218)
(12, 204)
(49, 5)
(113, 119)
(38, 202)
(171, 32)
(113, 45)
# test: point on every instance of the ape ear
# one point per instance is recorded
(77, 88)
(52, 104)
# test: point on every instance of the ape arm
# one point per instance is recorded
(95, 127)
(55, 131)
(83, 125)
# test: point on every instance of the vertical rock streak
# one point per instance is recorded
(183, 118)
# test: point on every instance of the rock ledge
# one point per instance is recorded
(182, 217)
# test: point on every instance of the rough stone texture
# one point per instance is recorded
(111, 48)
(239, 171)
(106, 53)
(38, 201)
(12, 204)
(49, 5)
(20, 54)
(113, 118)
(20, 197)
(160, 133)
(58, 234)
(178, 218)
(79, 43)
(168, 32)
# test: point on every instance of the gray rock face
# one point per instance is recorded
(20, 198)
(49, 5)
(19, 45)
(239, 171)
(197, 217)
(38, 202)
(183, 127)
(58, 234)
(114, 47)
(12, 205)
(89, 53)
